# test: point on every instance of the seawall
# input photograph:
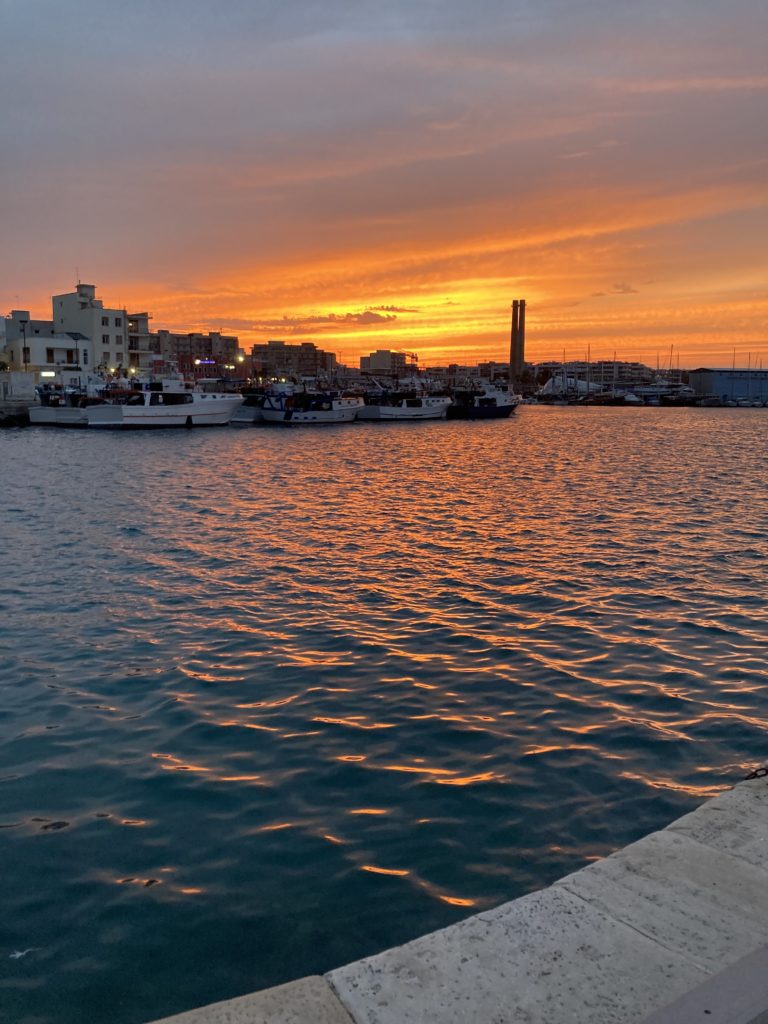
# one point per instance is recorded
(672, 927)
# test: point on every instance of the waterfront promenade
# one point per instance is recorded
(671, 927)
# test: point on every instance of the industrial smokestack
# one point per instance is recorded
(517, 342)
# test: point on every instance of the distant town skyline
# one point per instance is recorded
(368, 177)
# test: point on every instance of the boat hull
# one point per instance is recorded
(392, 413)
(495, 412)
(292, 417)
(57, 416)
(203, 411)
(309, 409)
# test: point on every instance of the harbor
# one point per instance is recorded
(278, 701)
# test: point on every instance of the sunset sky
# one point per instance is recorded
(393, 174)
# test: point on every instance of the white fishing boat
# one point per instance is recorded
(289, 405)
(163, 408)
(393, 405)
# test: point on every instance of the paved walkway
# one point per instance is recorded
(610, 944)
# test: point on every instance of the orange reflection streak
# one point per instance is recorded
(207, 677)
(334, 839)
(470, 780)
(270, 703)
(677, 787)
(277, 828)
(444, 776)
(456, 901)
(463, 719)
(134, 822)
(177, 765)
(234, 723)
(368, 810)
(351, 757)
(383, 871)
(239, 778)
(191, 891)
(309, 659)
(353, 723)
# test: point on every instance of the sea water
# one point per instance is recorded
(276, 699)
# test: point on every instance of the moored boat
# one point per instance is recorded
(250, 412)
(288, 406)
(163, 408)
(482, 401)
(394, 405)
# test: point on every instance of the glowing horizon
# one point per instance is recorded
(374, 179)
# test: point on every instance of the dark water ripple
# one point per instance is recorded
(273, 701)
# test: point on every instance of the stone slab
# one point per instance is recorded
(307, 1001)
(735, 822)
(706, 904)
(545, 958)
(737, 995)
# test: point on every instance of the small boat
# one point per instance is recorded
(289, 406)
(250, 412)
(482, 401)
(394, 405)
(58, 407)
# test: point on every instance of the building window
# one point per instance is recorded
(71, 355)
(118, 321)
(119, 357)
(85, 357)
(119, 339)
(105, 321)
(105, 339)
(49, 355)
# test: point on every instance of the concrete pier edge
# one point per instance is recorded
(676, 920)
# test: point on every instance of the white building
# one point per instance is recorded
(37, 347)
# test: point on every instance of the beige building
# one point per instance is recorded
(106, 328)
(199, 355)
(278, 359)
(386, 362)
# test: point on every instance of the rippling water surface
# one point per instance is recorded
(273, 700)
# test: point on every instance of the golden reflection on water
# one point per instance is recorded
(177, 764)
(400, 873)
(354, 722)
(699, 792)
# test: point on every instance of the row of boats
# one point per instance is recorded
(176, 403)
